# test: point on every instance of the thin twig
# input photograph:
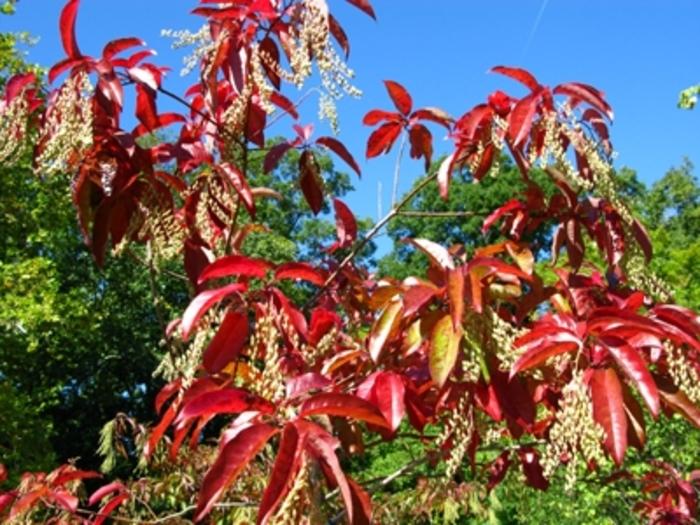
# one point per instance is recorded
(397, 171)
(437, 214)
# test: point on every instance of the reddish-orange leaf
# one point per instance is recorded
(233, 458)
(364, 6)
(609, 411)
(444, 348)
(109, 507)
(421, 143)
(202, 302)
(345, 224)
(385, 328)
(455, 294)
(376, 116)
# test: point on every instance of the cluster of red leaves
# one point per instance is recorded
(395, 346)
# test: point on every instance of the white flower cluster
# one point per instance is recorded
(574, 434)
(67, 131)
(201, 41)
(459, 427)
(14, 122)
(684, 374)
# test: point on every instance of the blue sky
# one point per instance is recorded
(640, 53)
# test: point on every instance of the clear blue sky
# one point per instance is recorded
(640, 53)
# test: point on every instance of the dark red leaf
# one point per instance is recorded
(609, 411)
(343, 405)
(532, 469)
(202, 302)
(521, 75)
(227, 343)
(421, 143)
(233, 458)
(282, 102)
(339, 34)
(339, 149)
(498, 470)
(642, 237)
(310, 181)
(509, 207)
(67, 29)
(434, 115)
(161, 121)
(273, 157)
(345, 224)
(381, 140)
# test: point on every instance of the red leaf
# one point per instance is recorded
(310, 181)
(284, 471)
(339, 149)
(345, 224)
(532, 469)
(303, 271)
(376, 116)
(282, 102)
(548, 346)
(239, 183)
(339, 34)
(343, 405)
(363, 5)
(109, 507)
(521, 75)
(498, 469)
(389, 393)
(586, 93)
(120, 44)
(323, 446)
(273, 157)
(381, 140)
(444, 348)
(146, 107)
(299, 385)
(636, 369)
(361, 504)
(159, 430)
(233, 458)
(238, 265)
(202, 302)
(421, 143)
(520, 118)
(223, 401)
(508, 207)
(100, 493)
(678, 401)
(385, 328)
(227, 343)
(63, 65)
(400, 97)
(642, 237)
(161, 121)
(434, 115)
(609, 411)
(67, 28)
